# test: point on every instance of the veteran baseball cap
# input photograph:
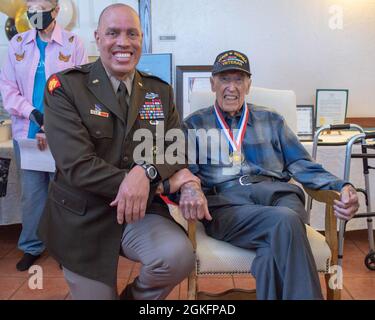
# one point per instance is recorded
(231, 60)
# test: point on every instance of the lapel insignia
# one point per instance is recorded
(19, 39)
(64, 58)
(95, 81)
(20, 57)
(99, 112)
(140, 84)
(53, 84)
(71, 39)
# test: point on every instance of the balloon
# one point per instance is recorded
(22, 21)
(10, 28)
(65, 16)
(10, 7)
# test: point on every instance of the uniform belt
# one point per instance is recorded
(245, 180)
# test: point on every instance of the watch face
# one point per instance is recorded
(152, 172)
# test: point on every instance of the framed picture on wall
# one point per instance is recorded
(188, 80)
(331, 106)
(305, 122)
(159, 65)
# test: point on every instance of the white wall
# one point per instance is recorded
(289, 42)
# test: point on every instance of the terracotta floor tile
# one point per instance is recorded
(356, 235)
(184, 290)
(350, 247)
(53, 289)
(354, 266)
(51, 268)
(135, 272)
(8, 268)
(9, 286)
(361, 288)
(215, 284)
(14, 253)
(124, 268)
(174, 295)
(5, 248)
(363, 245)
(121, 284)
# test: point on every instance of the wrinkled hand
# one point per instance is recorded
(131, 199)
(193, 203)
(180, 178)
(348, 205)
(41, 140)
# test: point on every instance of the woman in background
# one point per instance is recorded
(33, 56)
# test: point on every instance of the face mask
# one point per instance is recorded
(40, 20)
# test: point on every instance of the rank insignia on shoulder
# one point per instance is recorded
(19, 39)
(53, 84)
(64, 58)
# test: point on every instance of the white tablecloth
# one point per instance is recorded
(332, 158)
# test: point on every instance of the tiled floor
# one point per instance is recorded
(359, 282)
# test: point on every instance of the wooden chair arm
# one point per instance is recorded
(192, 228)
(328, 197)
(325, 196)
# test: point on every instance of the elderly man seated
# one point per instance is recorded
(249, 198)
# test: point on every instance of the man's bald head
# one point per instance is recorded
(119, 40)
(114, 6)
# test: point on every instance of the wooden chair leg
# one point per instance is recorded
(332, 294)
(192, 286)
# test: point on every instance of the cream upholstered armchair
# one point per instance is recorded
(214, 257)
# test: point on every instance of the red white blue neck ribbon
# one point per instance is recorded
(235, 142)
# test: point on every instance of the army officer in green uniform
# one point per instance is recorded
(97, 202)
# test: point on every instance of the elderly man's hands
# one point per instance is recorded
(193, 203)
(131, 199)
(180, 178)
(348, 205)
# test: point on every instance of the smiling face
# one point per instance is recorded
(231, 88)
(119, 40)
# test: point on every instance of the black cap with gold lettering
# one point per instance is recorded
(231, 60)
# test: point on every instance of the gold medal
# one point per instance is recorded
(236, 157)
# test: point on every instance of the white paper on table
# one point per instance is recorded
(34, 159)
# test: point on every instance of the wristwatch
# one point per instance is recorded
(150, 170)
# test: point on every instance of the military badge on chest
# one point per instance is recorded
(152, 109)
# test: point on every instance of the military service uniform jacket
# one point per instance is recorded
(93, 149)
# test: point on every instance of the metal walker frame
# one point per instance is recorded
(364, 155)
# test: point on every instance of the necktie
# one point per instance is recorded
(121, 97)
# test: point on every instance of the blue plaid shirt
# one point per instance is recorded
(269, 148)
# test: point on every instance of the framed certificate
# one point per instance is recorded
(331, 106)
(188, 80)
(305, 121)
